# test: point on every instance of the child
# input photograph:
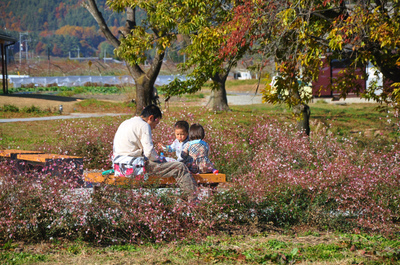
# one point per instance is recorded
(181, 135)
(195, 152)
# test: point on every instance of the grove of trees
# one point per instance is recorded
(214, 35)
(299, 34)
(56, 27)
(163, 23)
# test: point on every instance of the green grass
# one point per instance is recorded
(194, 96)
(15, 135)
(21, 258)
(361, 121)
(86, 106)
(70, 91)
(235, 84)
(94, 105)
(264, 248)
(269, 247)
(12, 111)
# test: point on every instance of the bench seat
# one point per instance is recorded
(12, 153)
(97, 177)
(36, 162)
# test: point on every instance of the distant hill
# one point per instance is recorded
(57, 27)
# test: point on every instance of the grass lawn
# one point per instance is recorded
(360, 120)
(269, 247)
(253, 241)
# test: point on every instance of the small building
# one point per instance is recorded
(331, 70)
(242, 75)
(5, 41)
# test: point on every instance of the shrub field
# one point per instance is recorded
(330, 181)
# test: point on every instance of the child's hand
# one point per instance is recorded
(160, 146)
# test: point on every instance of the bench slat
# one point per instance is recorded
(97, 177)
(10, 152)
(43, 157)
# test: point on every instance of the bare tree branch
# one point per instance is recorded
(91, 6)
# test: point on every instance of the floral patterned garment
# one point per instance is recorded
(195, 157)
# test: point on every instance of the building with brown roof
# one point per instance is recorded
(5, 41)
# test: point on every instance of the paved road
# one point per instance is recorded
(240, 99)
(244, 98)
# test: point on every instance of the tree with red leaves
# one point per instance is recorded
(298, 34)
(207, 34)
(163, 22)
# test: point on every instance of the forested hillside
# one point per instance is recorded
(56, 27)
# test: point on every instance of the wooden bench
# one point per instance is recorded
(43, 158)
(64, 166)
(204, 179)
(12, 153)
(36, 161)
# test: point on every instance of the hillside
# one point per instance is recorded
(56, 27)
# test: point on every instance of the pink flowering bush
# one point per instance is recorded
(89, 139)
(32, 205)
(45, 207)
(275, 175)
(293, 179)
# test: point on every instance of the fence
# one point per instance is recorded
(81, 80)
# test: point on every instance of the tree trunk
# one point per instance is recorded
(303, 112)
(220, 101)
(145, 93)
(144, 81)
(390, 72)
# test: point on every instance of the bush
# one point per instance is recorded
(43, 207)
(9, 108)
(275, 175)
(52, 85)
(31, 109)
(90, 140)
(289, 179)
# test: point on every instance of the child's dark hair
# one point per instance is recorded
(151, 110)
(196, 132)
(183, 125)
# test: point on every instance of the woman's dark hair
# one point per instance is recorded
(151, 110)
(196, 132)
(183, 125)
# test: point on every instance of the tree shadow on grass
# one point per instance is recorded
(42, 96)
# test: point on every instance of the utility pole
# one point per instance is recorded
(20, 44)
(26, 52)
(48, 59)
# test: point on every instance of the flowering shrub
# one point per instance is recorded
(275, 175)
(320, 180)
(89, 139)
(44, 207)
(33, 205)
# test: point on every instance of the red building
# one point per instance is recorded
(329, 73)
